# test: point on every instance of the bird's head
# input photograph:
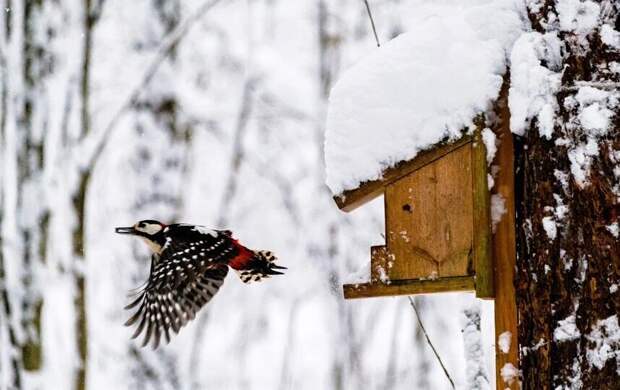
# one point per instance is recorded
(149, 230)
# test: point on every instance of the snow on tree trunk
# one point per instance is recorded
(564, 103)
(475, 372)
(32, 216)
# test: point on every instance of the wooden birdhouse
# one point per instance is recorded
(437, 224)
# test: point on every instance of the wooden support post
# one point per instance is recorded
(483, 258)
(504, 251)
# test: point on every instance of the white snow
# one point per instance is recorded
(550, 227)
(581, 158)
(595, 118)
(489, 139)
(614, 229)
(606, 339)
(498, 209)
(383, 276)
(420, 88)
(566, 330)
(533, 86)
(509, 373)
(476, 375)
(578, 16)
(561, 209)
(503, 341)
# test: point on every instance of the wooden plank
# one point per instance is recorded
(352, 199)
(408, 287)
(483, 259)
(504, 249)
(429, 219)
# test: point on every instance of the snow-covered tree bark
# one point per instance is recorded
(568, 194)
(475, 371)
(32, 217)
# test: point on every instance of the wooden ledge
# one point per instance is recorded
(409, 287)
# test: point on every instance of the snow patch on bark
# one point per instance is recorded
(566, 330)
(610, 37)
(613, 229)
(596, 109)
(550, 227)
(476, 376)
(605, 343)
(578, 16)
(532, 85)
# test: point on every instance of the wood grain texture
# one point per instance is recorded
(367, 191)
(504, 249)
(483, 260)
(408, 287)
(429, 219)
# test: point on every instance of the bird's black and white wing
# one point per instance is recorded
(171, 299)
(184, 277)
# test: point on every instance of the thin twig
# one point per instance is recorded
(594, 84)
(372, 23)
(169, 43)
(417, 315)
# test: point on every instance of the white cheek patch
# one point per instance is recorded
(205, 230)
(151, 229)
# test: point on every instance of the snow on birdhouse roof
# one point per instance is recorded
(419, 89)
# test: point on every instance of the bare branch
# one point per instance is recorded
(372, 22)
(417, 316)
(593, 84)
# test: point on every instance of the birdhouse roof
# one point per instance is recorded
(368, 190)
(415, 94)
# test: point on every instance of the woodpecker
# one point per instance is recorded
(188, 266)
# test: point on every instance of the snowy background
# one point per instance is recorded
(226, 129)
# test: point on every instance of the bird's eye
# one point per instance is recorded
(142, 224)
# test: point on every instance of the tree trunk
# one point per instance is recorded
(91, 13)
(37, 64)
(568, 207)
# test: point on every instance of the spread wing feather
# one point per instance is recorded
(171, 299)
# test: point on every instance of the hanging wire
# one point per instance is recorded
(372, 22)
(417, 315)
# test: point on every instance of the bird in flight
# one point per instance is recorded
(188, 266)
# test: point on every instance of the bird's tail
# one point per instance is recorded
(259, 266)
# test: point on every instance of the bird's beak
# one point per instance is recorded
(125, 230)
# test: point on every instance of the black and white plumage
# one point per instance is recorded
(188, 266)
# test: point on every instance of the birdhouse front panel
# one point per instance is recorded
(438, 233)
(429, 219)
